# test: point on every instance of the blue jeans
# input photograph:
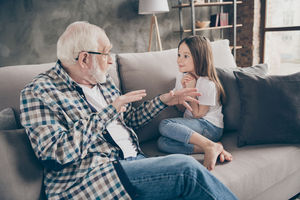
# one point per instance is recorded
(176, 133)
(174, 176)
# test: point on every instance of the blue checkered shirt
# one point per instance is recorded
(70, 138)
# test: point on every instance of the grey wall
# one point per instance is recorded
(29, 29)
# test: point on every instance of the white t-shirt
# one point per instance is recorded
(116, 130)
(209, 96)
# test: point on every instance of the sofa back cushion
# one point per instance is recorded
(153, 71)
(13, 79)
(21, 174)
(222, 55)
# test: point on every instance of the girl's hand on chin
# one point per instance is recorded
(189, 81)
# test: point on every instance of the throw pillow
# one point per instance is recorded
(231, 104)
(270, 109)
(7, 119)
(21, 173)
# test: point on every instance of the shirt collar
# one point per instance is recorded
(60, 71)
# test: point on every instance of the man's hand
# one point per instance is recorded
(129, 97)
(180, 97)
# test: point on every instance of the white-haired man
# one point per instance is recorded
(80, 128)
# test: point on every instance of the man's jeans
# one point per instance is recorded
(173, 177)
(176, 133)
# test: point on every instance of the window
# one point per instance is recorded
(281, 36)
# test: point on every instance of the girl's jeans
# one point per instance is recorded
(173, 177)
(176, 133)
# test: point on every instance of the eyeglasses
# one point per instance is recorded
(94, 52)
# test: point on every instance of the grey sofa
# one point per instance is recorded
(259, 172)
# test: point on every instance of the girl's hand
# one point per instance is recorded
(182, 96)
(189, 81)
(183, 82)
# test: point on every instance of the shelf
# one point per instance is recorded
(185, 5)
(220, 3)
(210, 28)
(237, 47)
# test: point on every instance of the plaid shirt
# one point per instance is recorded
(70, 138)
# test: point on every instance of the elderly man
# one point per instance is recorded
(81, 129)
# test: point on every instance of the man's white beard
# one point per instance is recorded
(98, 75)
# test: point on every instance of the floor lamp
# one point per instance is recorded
(153, 7)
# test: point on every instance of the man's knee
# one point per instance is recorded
(191, 170)
(187, 163)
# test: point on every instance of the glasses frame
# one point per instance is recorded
(94, 52)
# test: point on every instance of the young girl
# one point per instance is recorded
(198, 131)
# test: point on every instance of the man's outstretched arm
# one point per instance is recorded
(136, 117)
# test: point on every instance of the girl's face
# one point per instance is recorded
(184, 59)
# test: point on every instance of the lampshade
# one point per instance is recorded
(153, 6)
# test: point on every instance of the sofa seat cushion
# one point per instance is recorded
(254, 169)
(257, 168)
(21, 173)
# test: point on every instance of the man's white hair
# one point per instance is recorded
(78, 36)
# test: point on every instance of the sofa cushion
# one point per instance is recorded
(11, 84)
(7, 119)
(20, 172)
(155, 72)
(270, 109)
(231, 104)
(222, 55)
(254, 169)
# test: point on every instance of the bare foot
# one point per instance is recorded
(225, 155)
(211, 154)
(221, 157)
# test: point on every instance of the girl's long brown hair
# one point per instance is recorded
(203, 59)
